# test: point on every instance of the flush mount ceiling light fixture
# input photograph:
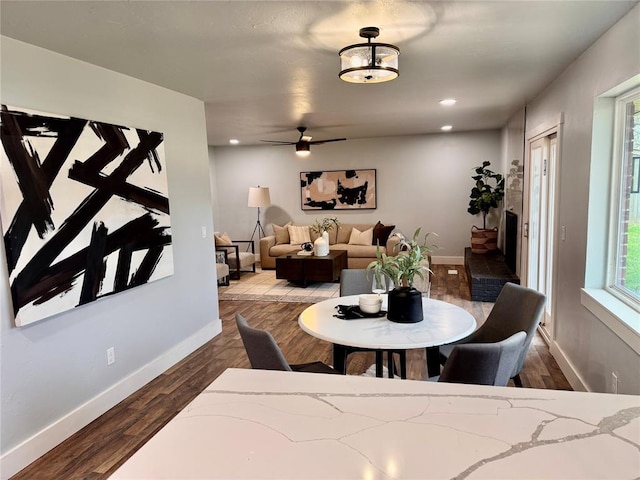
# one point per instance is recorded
(369, 62)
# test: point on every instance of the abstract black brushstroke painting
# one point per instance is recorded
(84, 208)
(338, 190)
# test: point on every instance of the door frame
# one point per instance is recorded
(553, 126)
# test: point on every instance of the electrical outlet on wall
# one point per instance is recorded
(111, 356)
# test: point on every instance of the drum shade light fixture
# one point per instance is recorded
(369, 62)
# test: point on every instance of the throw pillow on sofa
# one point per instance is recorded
(344, 231)
(281, 233)
(361, 238)
(381, 234)
(299, 233)
(224, 240)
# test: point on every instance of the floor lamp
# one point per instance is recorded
(258, 197)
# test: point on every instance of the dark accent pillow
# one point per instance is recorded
(381, 234)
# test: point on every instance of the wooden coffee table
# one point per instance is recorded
(302, 269)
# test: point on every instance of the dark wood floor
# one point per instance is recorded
(99, 449)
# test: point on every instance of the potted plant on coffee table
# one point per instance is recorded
(405, 301)
(485, 196)
(320, 228)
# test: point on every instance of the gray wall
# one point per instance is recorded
(591, 349)
(52, 367)
(423, 181)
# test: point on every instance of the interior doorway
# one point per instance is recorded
(539, 215)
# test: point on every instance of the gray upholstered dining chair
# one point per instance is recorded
(516, 309)
(483, 363)
(265, 354)
(356, 281)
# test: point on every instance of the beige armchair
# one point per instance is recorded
(239, 260)
(222, 268)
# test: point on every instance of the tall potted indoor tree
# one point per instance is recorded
(404, 301)
(486, 194)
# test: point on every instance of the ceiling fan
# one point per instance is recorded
(304, 142)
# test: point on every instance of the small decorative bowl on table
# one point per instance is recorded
(370, 303)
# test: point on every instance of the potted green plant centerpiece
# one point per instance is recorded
(485, 196)
(320, 228)
(405, 301)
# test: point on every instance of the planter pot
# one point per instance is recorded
(321, 245)
(483, 241)
(405, 305)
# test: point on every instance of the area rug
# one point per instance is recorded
(264, 286)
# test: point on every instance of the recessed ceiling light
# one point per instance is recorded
(448, 102)
(446, 128)
(234, 141)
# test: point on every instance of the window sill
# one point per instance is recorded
(623, 320)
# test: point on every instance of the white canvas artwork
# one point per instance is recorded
(84, 209)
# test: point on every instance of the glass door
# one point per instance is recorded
(539, 229)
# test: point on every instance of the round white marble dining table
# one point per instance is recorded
(443, 323)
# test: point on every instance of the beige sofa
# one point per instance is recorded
(359, 256)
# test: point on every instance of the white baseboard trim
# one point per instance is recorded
(33, 448)
(571, 374)
(443, 260)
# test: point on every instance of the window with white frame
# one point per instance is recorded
(623, 279)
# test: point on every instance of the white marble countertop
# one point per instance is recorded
(288, 425)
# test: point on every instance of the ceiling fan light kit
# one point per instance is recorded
(302, 149)
(369, 62)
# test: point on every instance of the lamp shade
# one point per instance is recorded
(259, 197)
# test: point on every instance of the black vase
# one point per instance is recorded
(405, 305)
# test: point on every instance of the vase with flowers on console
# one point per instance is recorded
(320, 227)
(404, 301)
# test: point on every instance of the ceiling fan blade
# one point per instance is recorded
(304, 140)
(278, 142)
(319, 142)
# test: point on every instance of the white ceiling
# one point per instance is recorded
(265, 67)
